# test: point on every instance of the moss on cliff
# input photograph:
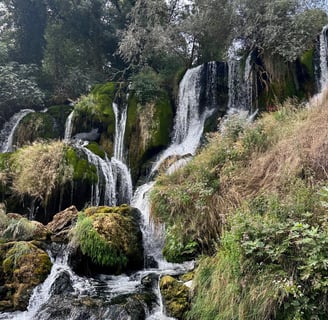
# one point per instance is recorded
(82, 170)
(96, 111)
(35, 126)
(148, 130)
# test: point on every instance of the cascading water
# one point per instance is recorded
(190, 118)
(323, 58)
(189, 125)
(8, 131)
(122, 172)
(69, 126)
(240, 84)
(104, 191)
(120, 123)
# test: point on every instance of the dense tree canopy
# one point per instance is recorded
(79, 43)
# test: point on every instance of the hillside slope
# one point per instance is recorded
(254, 200)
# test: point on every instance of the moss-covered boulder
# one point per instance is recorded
(62, 223)
(14, 227)
(176, 297)
(42, 178)
(46, 125)
(107, 239)
(22, 267)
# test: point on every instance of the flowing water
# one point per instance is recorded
(8, 131)
(69, 126)
(190, 118)
(120, 124)
(323, 58)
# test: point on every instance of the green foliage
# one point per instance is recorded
(18, 86)
(271, 264)
(284, 28)
(177, 249)
(147, 86)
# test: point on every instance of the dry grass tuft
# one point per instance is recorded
(38, 169)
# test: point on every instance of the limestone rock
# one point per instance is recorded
(62, 223)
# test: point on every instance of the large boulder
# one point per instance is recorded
(15, 227)
(176, 297)
(22, 267)
(107, 240)
(62, 223)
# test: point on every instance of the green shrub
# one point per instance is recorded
(147, 86)
(271, 264)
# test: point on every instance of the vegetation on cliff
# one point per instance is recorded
(256, 199)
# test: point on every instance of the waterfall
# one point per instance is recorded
(105, 188)
(69, 126)
(120, 123)
(8, 131)
(323, 58)
(240, 84)
(191, 114)
(122, 172)
(153, 238)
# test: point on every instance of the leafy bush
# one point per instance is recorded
(146, 85)
(18, 86)
(272, 264)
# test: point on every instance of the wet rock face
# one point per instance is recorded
(128, 306)
(62, 223)
(22, 267)
(176, 297)
(107, 240)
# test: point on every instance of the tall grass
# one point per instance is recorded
(38, 169)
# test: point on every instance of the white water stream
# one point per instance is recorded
(323, 58)
(8, 131)
(69, 126)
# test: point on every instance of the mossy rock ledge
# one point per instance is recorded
(176, 297)
(107, 240)
(23, 266)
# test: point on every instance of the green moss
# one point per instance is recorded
(96, 149)
(82, 170)
(307, 60)
(36, 125)
(59, 114)
(109, 238)
(164, 115)
(176, 297)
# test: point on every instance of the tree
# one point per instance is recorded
(27, 21)
(18, 86)
(283, 27)
(152, 32)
